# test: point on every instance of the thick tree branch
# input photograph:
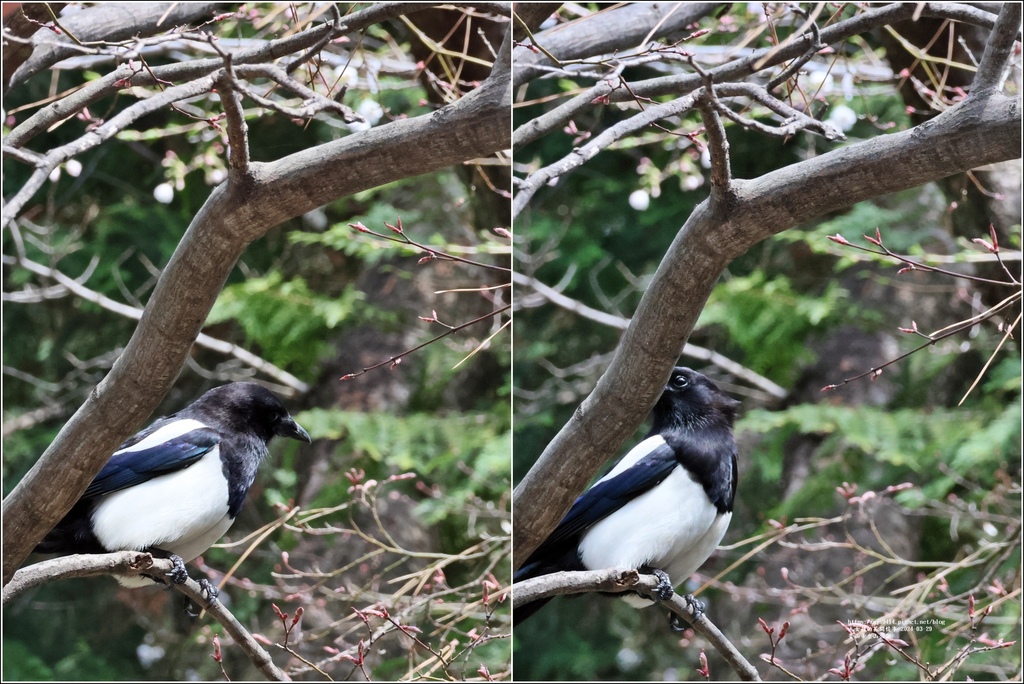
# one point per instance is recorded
(616, 580)
(998, 49)
(137, 563)
(976, 132)
(634, 23)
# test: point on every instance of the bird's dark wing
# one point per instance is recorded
(127, 467)
(610, 495)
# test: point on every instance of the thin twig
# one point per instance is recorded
(394, 360)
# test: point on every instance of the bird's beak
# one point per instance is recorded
(289, 428)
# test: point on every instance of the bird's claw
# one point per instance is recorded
(696, 606)
(207, 588)
(178, 574)
(664, 589)
(677, 622)
(211, 592)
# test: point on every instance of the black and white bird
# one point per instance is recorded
(664, 507)
(175, 488)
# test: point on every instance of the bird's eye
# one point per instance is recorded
(680, 381)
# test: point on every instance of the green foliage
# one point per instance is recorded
(900, 219)
(21, 664)
(344, 238)
(437, 447)
(877, 448)
(286, 318)
(771, 322)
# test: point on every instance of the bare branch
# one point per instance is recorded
(633, 27)
(314, 101)
(124, 76)
(998, 49)
(793, 120)
(138, 563)
(737, 69)
(238, 131)
(813, 45)
(581, 155)
(108, 22)
(718, 143)
(617, 580)
(396, 359)
(97, 136)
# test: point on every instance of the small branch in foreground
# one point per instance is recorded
(620, 580)
(430, 253)
(949, 330)
(396, 359)
(912, 265)
(137, 563)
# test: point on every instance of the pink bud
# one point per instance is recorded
(217, 655)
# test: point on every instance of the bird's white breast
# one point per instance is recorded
(673, 527)
(183, 512)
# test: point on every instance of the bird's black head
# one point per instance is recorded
(690, 401)
(246, 406)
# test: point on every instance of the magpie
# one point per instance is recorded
(175, 488)
(664, 507)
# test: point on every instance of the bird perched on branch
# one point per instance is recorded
(664, 507)
(175, 488)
